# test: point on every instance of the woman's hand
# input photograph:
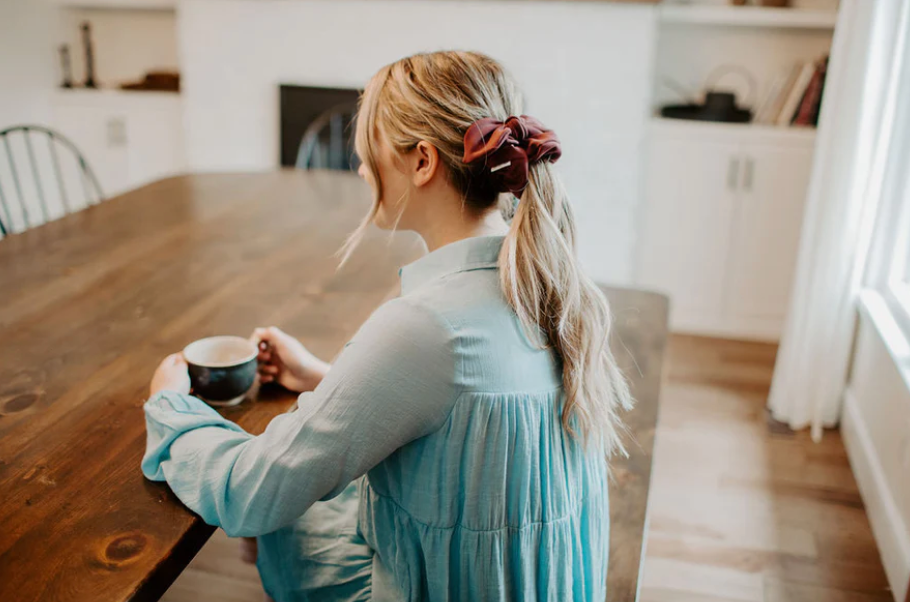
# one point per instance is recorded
(171, 375)
(249, 550)
(284, 360)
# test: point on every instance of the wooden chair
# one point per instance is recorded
(39, 165)
(328, 142)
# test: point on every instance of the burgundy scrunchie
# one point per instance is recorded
(505, 150)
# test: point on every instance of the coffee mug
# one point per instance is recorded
(222, 369)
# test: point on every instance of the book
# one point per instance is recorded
(807, 114)
(803, 115)
(816, 110)
(763, 110)
(773, 110)
(796, 94)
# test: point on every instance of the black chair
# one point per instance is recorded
(32, 174)
(328, 142)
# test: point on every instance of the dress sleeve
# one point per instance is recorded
(393, 383)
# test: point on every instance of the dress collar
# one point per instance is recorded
(476, 253)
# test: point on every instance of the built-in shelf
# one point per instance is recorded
(119, 4)
(718, 127)
(112, 98)
(748, 16)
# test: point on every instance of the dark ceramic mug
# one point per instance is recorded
(222, 369)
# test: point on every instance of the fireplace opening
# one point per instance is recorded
(325, 116)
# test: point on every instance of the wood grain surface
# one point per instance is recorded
(89, 305)
(639, 341)
(743, 509)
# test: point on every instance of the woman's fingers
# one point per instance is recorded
(174, 360)
(260, 338)
(249, 550)
(268, 369)
(266, 335)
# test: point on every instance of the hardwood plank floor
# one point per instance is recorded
(742, 509)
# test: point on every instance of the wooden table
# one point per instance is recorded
(90, 303)
(640, 330)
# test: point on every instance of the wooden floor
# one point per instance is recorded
(742, 510)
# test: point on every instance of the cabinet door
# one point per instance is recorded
(689, 198)
(100, 134)
(767, 229)
(155, 144)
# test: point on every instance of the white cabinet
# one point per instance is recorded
(128, 138)
(766, 230)
(687, 219)
(721, 224)
(154, 143)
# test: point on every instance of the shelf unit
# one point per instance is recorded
(115, 98)
(748, 16)
(130, 137)
(723, 202)
(709, 128)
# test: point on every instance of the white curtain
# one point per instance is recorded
(854, 134)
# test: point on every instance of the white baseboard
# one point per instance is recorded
(890, 532)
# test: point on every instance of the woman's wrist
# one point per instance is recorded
(315, 372)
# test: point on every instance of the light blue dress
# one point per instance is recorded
(472, 488)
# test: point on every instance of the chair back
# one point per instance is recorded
(43, 176)
(328, 142)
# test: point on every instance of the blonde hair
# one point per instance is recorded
(435, 97)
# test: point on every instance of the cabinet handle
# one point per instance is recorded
(733, 173)
(747, 174)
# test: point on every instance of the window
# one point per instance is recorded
(897, 286)
(889, 269)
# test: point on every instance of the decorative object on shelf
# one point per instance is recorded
(718, 105)
(66, 66)
(156, 81)
(89, 56)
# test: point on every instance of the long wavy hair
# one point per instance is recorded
(435, 97)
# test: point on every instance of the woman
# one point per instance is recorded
(480, 405)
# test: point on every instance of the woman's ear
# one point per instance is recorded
(424, 163)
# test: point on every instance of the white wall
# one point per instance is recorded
(27, 55)
(876, 429)
(586, 69)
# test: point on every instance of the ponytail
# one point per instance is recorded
(545, 285)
